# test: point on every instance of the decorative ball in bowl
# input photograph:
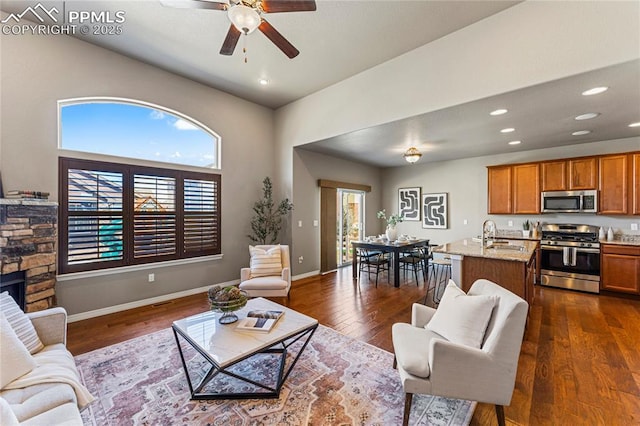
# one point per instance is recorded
(227, 300)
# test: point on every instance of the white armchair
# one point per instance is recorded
(270, 285)
(430, 364)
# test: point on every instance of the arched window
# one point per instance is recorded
(135, 129)
(116, 214)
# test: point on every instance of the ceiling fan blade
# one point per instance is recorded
(195, 4)
(230, 41)
(277, 39)
(275, 6)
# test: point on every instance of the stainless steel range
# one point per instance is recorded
(570, 257)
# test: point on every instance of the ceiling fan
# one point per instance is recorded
(246, 17)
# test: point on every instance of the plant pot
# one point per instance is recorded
(526, 233)
(392, 233)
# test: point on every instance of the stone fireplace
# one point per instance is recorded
(28, 238)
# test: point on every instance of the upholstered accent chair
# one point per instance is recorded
(269, 274)
(483, 368)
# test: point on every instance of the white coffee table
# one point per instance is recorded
(223, 346)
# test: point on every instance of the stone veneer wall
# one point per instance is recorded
(28, 239)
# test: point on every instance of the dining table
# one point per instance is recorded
(393, 247)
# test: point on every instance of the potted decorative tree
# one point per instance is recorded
(266, 223)
(526, 228)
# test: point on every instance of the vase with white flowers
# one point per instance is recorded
(392, 221)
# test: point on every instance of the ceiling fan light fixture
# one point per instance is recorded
(244, 18)
(412, 155)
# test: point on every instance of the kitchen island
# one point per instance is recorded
(510, 264)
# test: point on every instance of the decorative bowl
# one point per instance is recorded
(227, 308)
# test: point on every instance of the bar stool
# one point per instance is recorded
(441, 273)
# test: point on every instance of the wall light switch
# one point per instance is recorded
(465, 222)
(299, 224)
(315, 223)
(510, 223)
(300, 259)
(152, 277)
(634, 226)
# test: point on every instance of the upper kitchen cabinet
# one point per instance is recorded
(514, 189)
(583, 173)
(613, 184)
(635, 184)
(554, 176)
(526, 189)
(499, 181)
(570, 175)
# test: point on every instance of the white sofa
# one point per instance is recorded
(48, 399)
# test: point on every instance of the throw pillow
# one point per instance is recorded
(461, 318)
(16, 359)
(20, 323)
(265, 262)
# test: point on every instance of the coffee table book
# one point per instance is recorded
(261, 321)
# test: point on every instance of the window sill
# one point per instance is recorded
(133, 268)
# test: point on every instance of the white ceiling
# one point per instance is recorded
(343, 38)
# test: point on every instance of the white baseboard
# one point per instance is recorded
(138, 303)
(306, 275)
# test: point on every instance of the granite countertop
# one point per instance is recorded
(624, 240)
(517, 251)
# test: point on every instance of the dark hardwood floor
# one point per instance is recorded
(579, 364)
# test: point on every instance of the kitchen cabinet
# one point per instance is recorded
(526, 188)
(620, 268)
(554, 176)
(569, 175)
(499, 196)
(613, 185)
(514, 189)
(583, 173)
(635, 184)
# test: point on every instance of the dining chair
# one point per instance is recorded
(416, 260)
(372, 261)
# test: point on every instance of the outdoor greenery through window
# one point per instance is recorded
(135, 129)
(118, 215)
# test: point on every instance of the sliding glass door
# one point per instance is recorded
(350, 215)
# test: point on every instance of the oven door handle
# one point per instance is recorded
(587, 250)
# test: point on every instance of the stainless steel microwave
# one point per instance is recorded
(570, 201)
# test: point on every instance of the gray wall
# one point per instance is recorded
(37, 71)
(308, 167)
(466, 182)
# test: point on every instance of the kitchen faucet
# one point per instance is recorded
(488, 230)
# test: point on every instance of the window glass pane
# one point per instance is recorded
(136, 131)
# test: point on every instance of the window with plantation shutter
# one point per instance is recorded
(201, 227)
(117, 215)
(154, 216)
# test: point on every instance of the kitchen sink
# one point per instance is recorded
(507, 247)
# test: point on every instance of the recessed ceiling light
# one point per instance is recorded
(507, 130)
(581, 132)
(594, 91)
(515, 142)
(635, 124)
(263, 81)
(587, 116)
(498, 112)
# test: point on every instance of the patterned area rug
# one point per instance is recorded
(337, 381)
